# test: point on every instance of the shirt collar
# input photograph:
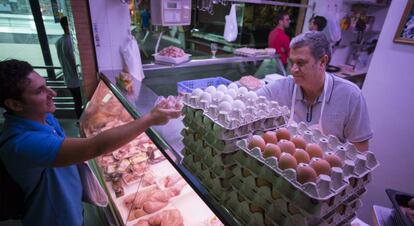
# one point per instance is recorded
(301, 97)
(19, 123)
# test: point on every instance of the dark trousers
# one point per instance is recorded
(76, 93)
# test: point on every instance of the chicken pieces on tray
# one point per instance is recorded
(171, 217)
(151, 200)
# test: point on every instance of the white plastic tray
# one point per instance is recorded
(171, 60)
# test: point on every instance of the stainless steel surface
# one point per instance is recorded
(208, 61)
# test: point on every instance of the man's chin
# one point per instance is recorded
(298, 79)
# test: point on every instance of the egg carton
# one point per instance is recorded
(260, 114)
(200, 143)
(242, 210)
(290, 191)
(194, 120)
(265, 196)
(216, 186)
(284, 213)
(356, 164)
(219, 159)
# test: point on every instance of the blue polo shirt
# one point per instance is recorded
(53, 194)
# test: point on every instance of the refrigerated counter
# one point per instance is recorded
(151, 165)
(144, 180)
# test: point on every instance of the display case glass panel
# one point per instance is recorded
(143, 187)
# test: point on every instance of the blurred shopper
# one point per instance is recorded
(323, 101)
(67, 61)
(317, 23)
(278, 39)
(38, 155)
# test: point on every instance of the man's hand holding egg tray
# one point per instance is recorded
(166, 109)
(124, 80)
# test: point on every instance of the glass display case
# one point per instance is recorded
(146, 179)
(162, 79)
(141, 179)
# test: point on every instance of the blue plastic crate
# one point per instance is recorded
(189, 85)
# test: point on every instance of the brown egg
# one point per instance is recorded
(301, 156)
(314, 150)
(321, 166)
(246, 172)
(333, 159)
(270, 137)
(262, 182)
(257, 141)
(305, 173)
(275, 194)
(287, 146)
(299, 141)
(283, 133)
(271, 150)
(287, 161)
(255, 209)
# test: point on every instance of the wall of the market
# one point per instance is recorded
(111, 27)
(388, 92)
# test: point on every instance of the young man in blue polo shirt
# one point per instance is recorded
(37, 154)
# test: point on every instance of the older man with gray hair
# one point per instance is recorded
(321, 100)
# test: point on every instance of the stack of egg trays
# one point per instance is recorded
(212, 167)
(277, 209)
(260, 114)
(313, 198)
(284, 214)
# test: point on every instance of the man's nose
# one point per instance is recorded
(52, 92)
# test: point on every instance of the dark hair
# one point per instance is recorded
(280, 15)
(13, 79)
(320, 22)
(64, 22)
(317, 42)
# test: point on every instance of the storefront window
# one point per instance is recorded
(19, 37)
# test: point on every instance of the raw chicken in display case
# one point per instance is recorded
(142, 184)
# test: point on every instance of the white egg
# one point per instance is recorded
(211, 89)
(227, 98)
(197, 92)
(242, 91)
(233, 86)
(232, 93)
(205, 96)
(238, 105)
(251, 95)
(222, 88)
(225, 106)
(217, 96)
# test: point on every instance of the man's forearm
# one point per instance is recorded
(74, 150)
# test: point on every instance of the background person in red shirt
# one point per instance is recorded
(278, 39)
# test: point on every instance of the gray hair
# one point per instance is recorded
(316, 41)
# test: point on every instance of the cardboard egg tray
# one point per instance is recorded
(260, 114)
(280, 212)
(337, 186)
(242, 210)
(214, 184)
(220, 164)
(263, 195)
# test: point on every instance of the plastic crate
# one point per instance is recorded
(189, 85)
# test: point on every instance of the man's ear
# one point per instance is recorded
(14, 105)
(324, 62)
